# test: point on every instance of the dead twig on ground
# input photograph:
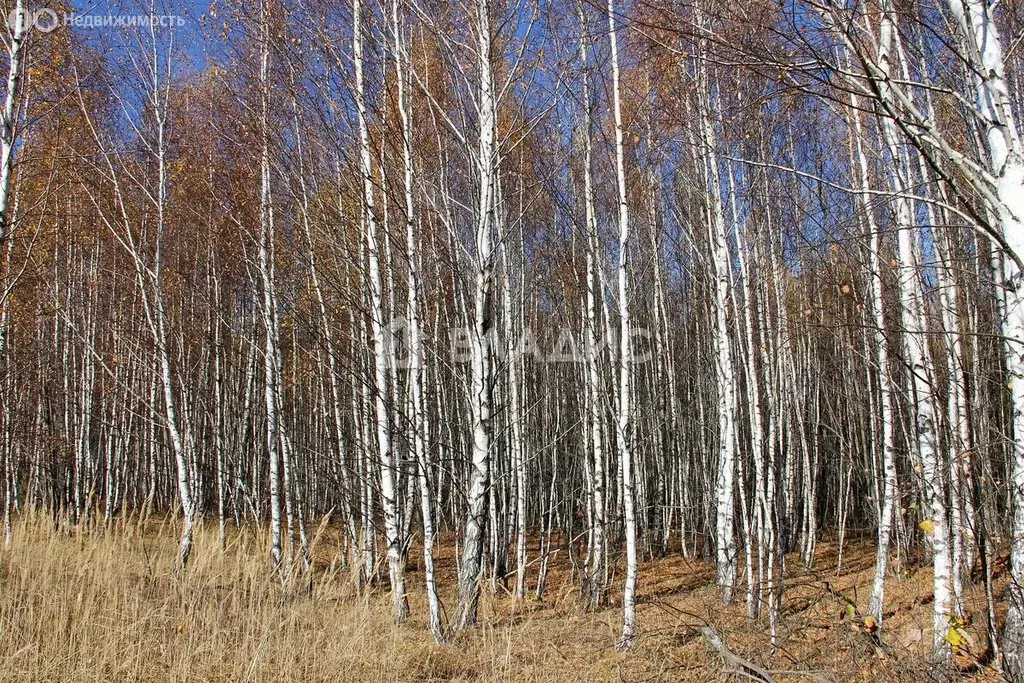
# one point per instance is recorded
(743, 666)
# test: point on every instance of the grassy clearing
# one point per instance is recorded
(103, 606)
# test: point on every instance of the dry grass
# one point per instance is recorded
(103, 606)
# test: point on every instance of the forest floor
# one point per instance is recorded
(104, 606)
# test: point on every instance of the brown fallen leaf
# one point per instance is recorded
(912, 637)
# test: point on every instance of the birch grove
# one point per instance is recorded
(513, 284)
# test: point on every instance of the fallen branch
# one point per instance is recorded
(744, 666)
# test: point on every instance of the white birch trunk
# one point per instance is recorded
(419, 425)
(596, 576)
(386, 461)
(1006, 164)
(919, 361)
(269, 309)
(628, 637)
(481, 382)
(725, 541)
(23, 20)
(876, 602)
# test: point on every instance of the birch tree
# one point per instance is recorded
(15, 45)
(624, 426)
(481, 372)
(1003, 191)
(420, 416)
(380, 388)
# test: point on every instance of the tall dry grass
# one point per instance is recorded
(103, 605)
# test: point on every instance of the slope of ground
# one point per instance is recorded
(104, 606)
